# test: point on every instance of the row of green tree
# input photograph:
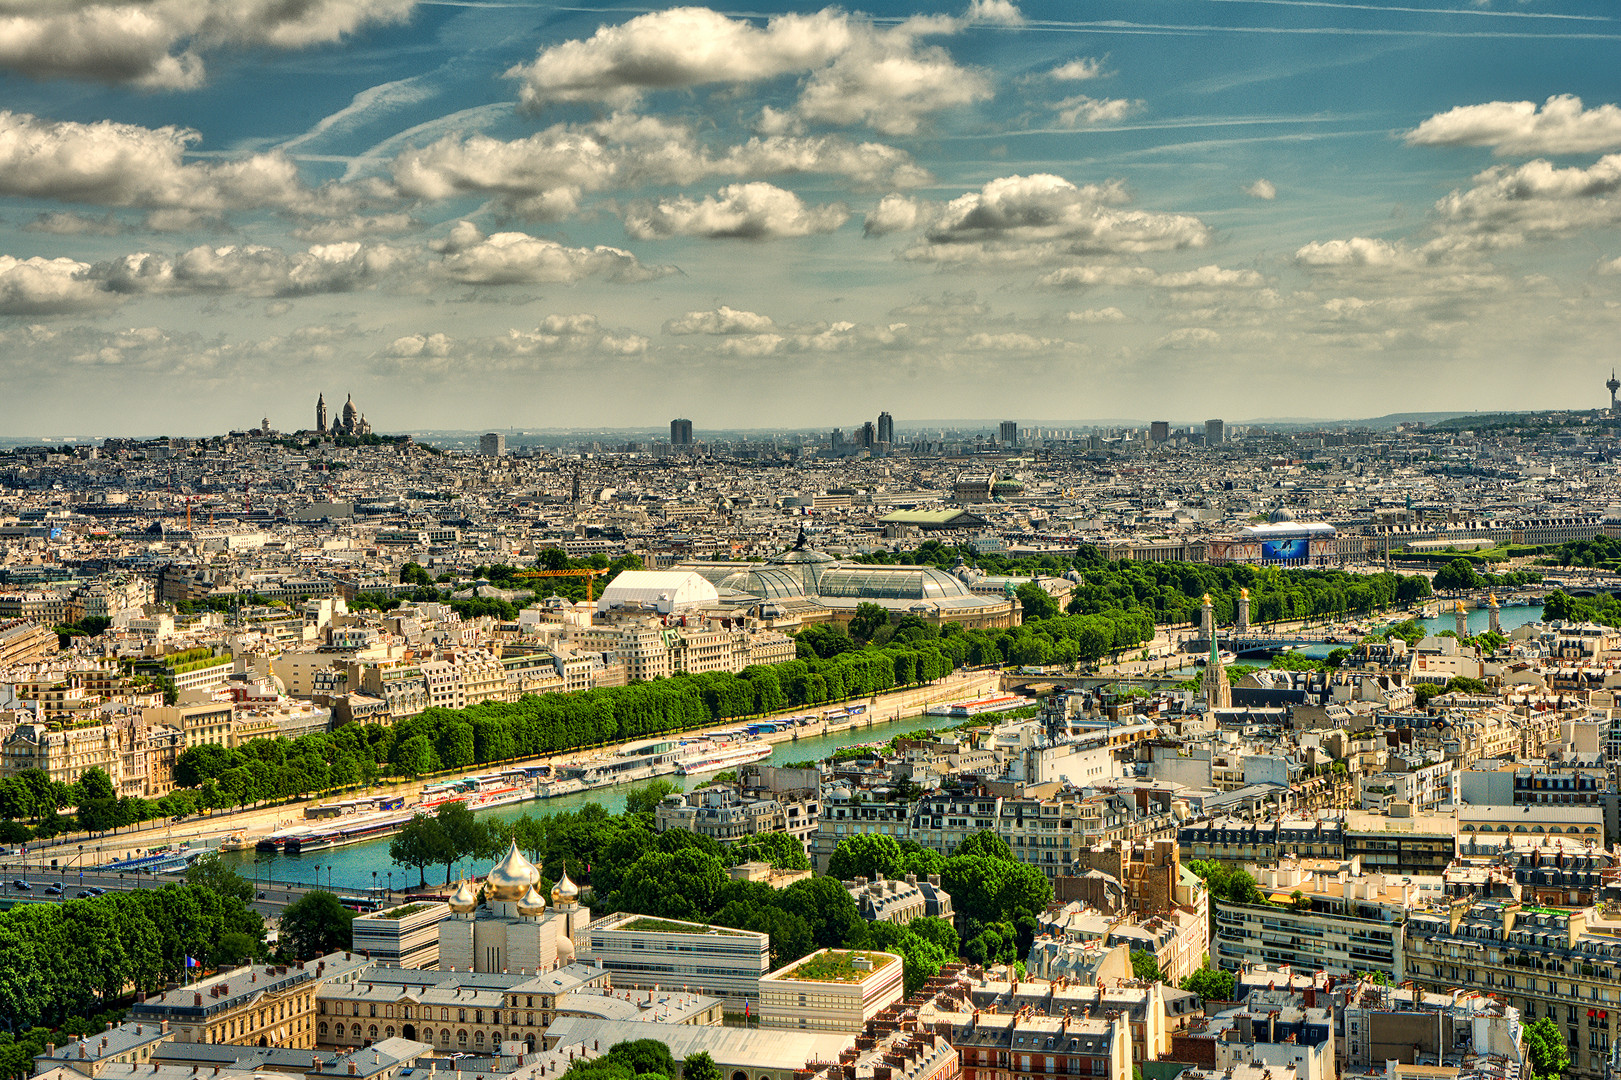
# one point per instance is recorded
(1041, 639)
(1460, 574)
(1604, 608)
(1599, 551)
(76, 957)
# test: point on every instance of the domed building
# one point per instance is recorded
(514, 930)
(818, 588)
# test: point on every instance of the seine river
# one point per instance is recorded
(350, 869)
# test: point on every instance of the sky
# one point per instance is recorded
(516, 214)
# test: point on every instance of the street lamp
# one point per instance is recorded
(374, 884)
(391, 886)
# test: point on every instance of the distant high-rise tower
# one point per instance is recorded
(1010, 433)
(1612, 386)
(1159, 431)
(320, 414)
(867, 437)
(886, 428)
(493, 444)
(1215, 431)
(680, 432)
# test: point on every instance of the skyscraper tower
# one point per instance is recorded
(886, 428)
(1612, 386)
(680, 432)
(1010, 433)
(320, 414)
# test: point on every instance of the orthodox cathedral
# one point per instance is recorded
(514, 930)
(351, 422)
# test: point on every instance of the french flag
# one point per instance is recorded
(191, 963)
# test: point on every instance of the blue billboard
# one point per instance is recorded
(1291, 550)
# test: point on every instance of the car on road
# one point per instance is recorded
(21, 886)
(82, 893)
(96, 890)
(54, 890)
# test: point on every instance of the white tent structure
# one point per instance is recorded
(664, 591)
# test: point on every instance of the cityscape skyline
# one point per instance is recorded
(471, 214)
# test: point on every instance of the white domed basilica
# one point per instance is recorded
(515, 931)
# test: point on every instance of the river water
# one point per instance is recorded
(351, 869)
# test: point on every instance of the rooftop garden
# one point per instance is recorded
(403, 912)
(664, 926)
(836, 966)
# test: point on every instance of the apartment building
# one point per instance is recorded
(1340, 922)
(272, 1004)
(645, 953)
(851, 811)
(1564, 965)
(830, 990)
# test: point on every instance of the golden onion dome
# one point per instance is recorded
(464, 899)
(512, 877)
(565, 891)
(532, 903)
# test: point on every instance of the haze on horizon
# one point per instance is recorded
(514, 214)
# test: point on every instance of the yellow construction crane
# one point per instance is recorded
(587, 574)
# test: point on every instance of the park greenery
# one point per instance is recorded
(643, 1059)
(1562, 607)
(78, 957)
(1600, 552)
(1460, 575)
(1172, 592)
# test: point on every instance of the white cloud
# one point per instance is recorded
(251, 270)
(1093, 316)
(895, 213)
(572, 338)
(545, 175)
(1262, 189)
(1045, 218)
(415, 345)
(723, 320)
(48, 287)
(1009, 342)
(159, 43)
(1610, 266)
(1561, 126)
(1001, 12)
(512, 258)
(1083, 111)
(753, 211)
(857, 73)
(1080, 70)
(678, 48)
(112, 164)
(1536, 199)
(1189, 337)
(889, 82)
(1358, 251)
(1205, 277)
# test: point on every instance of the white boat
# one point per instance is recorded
(724, 756)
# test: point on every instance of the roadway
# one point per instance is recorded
(270, 899)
